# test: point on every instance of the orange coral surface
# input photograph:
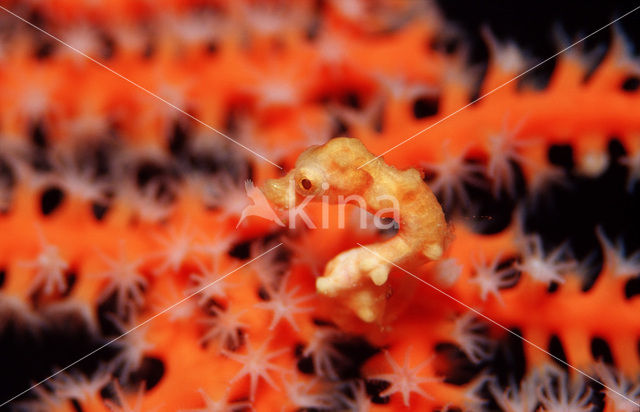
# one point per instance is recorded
(122, 183)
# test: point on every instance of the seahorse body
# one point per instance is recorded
(342, 170)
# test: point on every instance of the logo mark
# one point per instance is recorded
(260, 206)
(385, 218)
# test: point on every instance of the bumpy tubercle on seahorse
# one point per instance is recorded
(341, 168)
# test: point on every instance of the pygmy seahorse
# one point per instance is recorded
(334, 172)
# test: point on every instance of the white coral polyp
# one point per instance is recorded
(544, 268)
(469, 333)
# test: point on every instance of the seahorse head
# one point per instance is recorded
(330, 170)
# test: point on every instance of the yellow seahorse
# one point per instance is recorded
(334, 172)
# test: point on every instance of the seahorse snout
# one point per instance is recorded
(280, 192)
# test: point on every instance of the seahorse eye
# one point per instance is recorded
(309, 182)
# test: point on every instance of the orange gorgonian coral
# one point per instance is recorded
(133, 277)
